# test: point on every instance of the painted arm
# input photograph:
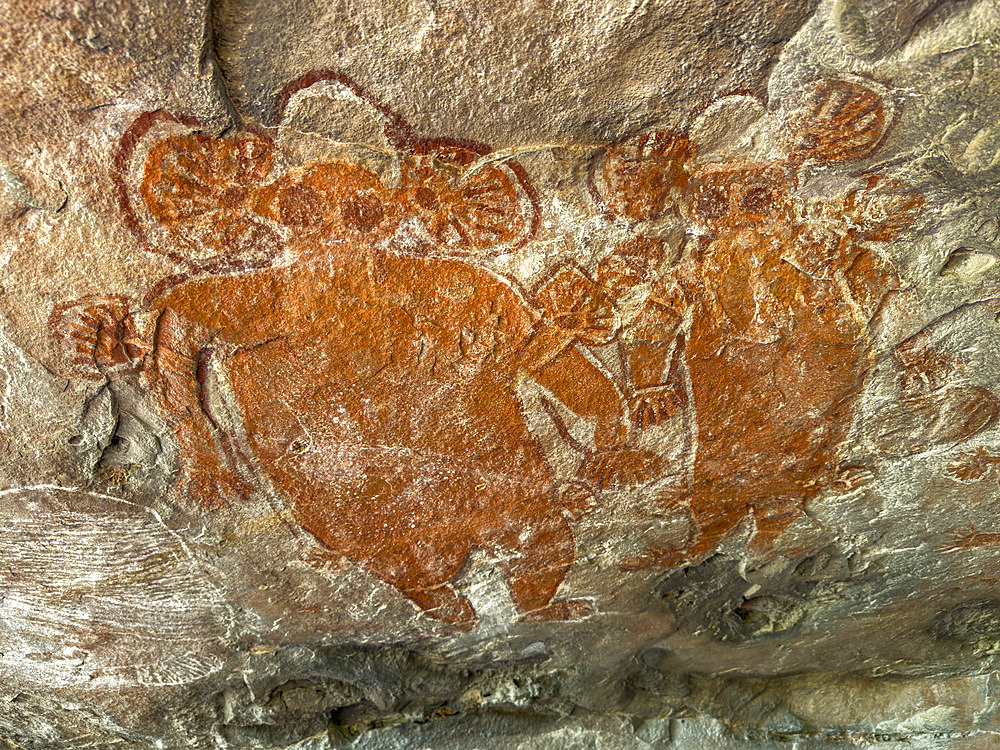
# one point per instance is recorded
(653, 347)
(101, 338)
(177, 370)
(578, 312)
(587, 392)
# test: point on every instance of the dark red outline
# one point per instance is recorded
(123, 157)
(400, 136)
(397, 130)
(895, 99)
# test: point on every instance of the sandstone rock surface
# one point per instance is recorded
(443, 374)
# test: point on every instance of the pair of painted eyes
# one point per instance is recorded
(742, 199)
(300, 205)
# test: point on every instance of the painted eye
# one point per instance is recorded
(298, 205)
(757, 200)
(711, 204)
(427, 199)
(363, 213)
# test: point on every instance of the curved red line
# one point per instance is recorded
(123, 156)
(397, 130)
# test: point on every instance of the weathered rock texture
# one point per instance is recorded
(471, 374)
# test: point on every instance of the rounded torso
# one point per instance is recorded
(776, 358)
(379, 390)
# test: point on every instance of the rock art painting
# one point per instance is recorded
(764, 329)
(340, 346)
(549, 374)
(373, 379)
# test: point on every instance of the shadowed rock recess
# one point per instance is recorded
(465, 374)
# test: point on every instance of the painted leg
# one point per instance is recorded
(177, 381)
(443, 603)
(426, 578)
(588, 392)
(421, 564)
(537, 571)
(713, 518)
(772, 520)
(674, 502)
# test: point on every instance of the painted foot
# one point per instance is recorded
(974, 465)
(98, 336)
(445, 604)
(567, 609)
(619, 467)
(656, 556)
(572, 301)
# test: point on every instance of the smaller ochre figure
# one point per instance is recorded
(768, 317)
(373, 383)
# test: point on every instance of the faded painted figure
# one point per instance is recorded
(374, 383)
(768, 317)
